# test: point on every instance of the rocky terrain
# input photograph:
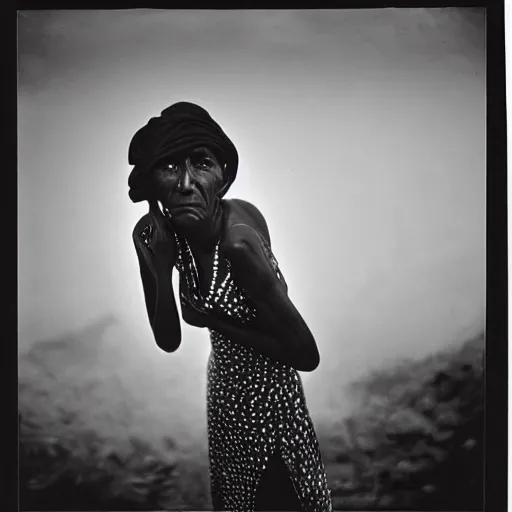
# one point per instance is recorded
(415, 442)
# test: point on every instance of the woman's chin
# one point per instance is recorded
(187, 220)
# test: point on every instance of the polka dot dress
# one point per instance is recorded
(255, 406)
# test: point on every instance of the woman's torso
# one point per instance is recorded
(256, 406)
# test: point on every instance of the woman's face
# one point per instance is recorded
(188, 187)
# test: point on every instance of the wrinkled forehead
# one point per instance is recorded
(202, 151)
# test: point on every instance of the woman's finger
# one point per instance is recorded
(154, 209)
(158, 216)
(146, 237)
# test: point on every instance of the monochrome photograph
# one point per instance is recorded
(251, 259)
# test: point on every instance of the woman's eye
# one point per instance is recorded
(205, 163)
(171, 168)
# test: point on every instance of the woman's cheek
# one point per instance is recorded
(212, 182)
(219, 180)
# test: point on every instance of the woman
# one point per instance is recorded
(263, 450)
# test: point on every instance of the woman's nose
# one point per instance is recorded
(186, 178)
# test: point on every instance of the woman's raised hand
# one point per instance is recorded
(158, 238)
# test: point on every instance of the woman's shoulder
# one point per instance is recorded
(244, 219)
(244, 212)
(243, 206)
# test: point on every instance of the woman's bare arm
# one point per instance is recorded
(259, 339)
(156, 278)
(280, 331)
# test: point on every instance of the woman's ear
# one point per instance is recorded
(225, 186)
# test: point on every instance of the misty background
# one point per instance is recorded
(361, 136)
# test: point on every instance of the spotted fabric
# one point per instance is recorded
(255, 405)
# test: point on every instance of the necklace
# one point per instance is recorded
(223, 295)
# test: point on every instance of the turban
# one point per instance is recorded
(179, 128)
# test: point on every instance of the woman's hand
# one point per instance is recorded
(194, 316)
(158, 239)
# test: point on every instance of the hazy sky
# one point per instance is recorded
(361, 137)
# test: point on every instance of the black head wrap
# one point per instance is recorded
(180, 128)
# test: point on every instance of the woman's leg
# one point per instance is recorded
(275, 490)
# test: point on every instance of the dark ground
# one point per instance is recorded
(414, 443)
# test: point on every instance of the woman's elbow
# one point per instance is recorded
(307, 366)
(167, 347)
(308, 362)
(167, 343)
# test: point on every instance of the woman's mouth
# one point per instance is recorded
(182, 209)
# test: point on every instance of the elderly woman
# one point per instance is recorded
(263, 450)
